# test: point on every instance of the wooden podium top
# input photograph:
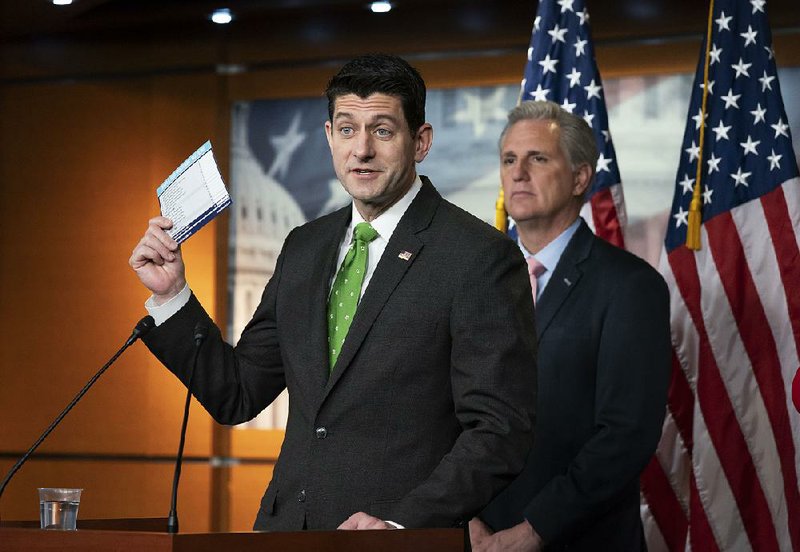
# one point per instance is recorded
(137, 535)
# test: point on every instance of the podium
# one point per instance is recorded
(135, 535)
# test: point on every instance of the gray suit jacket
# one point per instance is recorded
(429, 410)
(604, 368)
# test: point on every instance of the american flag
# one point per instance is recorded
(561, 68)
(725, 473)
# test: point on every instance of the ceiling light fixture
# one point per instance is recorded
(62, 2)
(380, 7)
(222, 16)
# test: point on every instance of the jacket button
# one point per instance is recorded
(321, 432)
(301, 496)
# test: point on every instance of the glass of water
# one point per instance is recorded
(58, 508)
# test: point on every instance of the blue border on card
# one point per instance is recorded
(191, 160)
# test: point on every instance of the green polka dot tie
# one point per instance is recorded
(346, 289)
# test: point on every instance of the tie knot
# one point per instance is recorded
(535, 268)
(364, 232)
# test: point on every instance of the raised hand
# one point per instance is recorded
(157, 261)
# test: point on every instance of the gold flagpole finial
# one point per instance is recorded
(500, 215)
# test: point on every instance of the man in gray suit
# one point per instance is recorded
(423, 410)
(602, 317)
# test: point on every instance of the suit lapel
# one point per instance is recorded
(319, 286)
(400, 253)
(566, 276)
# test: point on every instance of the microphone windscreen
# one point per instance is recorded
(144, 325)
(200, 331)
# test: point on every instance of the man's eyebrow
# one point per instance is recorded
(374, 120)
(526, 153)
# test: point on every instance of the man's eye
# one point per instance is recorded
(346, 131)
(383, 132)
(508, 161)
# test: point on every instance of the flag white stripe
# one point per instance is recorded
(715, 493)
(674, 459)
(652, 533)
(736, 370)
(791, 190)
(619, 204)
(685, 340)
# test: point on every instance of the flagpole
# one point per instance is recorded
(696, 205)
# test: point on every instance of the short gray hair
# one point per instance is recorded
(577, 140)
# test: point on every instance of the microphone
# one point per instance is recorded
(200, 333)
(796, 390)
(142, 327)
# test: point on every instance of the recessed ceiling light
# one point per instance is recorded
(62, 2)
(222, 16)
(380, 7)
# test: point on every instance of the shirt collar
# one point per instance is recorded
(551, 253)
(386, 223)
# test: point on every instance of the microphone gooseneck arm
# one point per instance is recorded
(142, 327)
(200, 333)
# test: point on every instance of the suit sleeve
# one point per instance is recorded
(233, 384)
(493, 377)
(632, 376)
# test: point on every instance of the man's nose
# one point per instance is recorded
(363, 148)
(519, 172)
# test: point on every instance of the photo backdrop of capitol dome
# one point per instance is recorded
(282, 175)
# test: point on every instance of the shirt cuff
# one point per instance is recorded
(161, 313)
(393, 524)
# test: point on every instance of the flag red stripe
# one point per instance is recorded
(755, 333)
(664, 505)
(782, 231)
(720, 418)
(606, 221)
(700, 534)
(681, 403)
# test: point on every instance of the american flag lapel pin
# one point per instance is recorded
(405, 255)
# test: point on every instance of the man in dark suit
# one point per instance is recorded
(425, 410)
(602, 317)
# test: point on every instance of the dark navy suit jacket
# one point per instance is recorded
(603, 369)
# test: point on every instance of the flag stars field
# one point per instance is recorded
(562, 69)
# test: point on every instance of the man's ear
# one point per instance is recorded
(328, 131)
(583, 177)
(423, 142)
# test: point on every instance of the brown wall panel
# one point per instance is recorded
(256, 443)
(247, 485)
(79, 166)
(113, 490)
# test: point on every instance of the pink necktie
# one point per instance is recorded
(535, 269)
